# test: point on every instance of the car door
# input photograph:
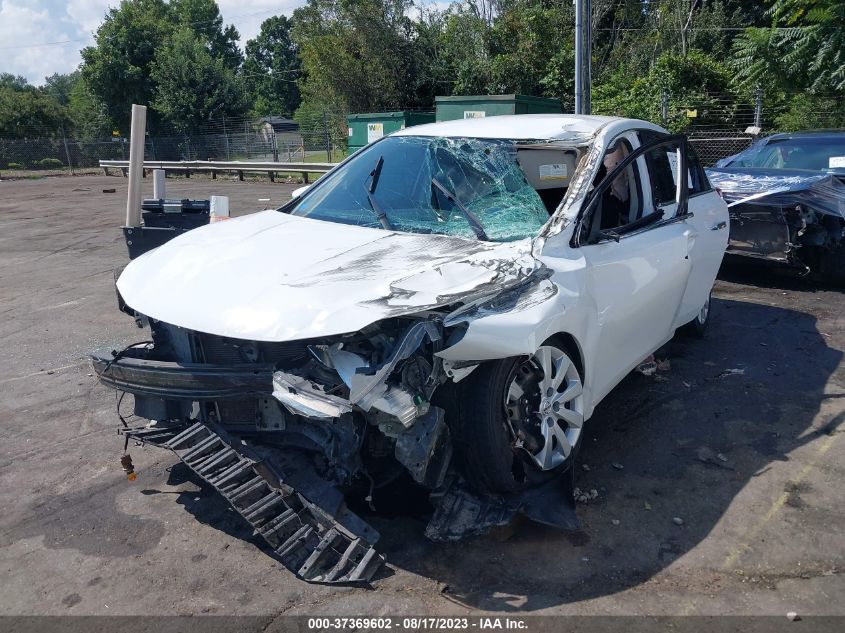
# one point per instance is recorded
(636, 274)
(709, 220)
(706, 218)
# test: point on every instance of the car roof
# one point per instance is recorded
(525, 127)
(832, 133)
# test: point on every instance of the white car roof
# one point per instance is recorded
(524, 127)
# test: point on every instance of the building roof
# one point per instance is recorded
(280, 123)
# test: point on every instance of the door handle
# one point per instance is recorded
(719, 225)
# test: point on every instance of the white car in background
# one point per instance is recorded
(450, 303)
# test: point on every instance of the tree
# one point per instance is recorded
(192, 87)
(26, 111)
(271, 69)
(118, 69)
(694, 81)
(204, 19)
(355, 54)
(814, 40)
(528, 44)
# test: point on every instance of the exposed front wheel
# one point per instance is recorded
(521, 419)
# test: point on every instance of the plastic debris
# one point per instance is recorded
(585, 466)
(615, 521)
(732, 372)
(617, 466)
(677, 520)
(794, 617)
(648, 367)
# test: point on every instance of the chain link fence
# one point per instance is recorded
(320, 137)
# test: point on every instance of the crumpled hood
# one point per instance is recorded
(821, 191)
(271, 276)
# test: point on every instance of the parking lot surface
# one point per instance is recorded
(719, 480)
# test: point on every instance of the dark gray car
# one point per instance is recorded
(786, 195)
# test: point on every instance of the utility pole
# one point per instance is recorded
(579, 16)
(587, 17)
(583, 54)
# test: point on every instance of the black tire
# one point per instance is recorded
(484, 437)
(697, 328)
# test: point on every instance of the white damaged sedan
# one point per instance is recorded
(448, 305)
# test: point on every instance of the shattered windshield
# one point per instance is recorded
(818, 154)
(465, 187)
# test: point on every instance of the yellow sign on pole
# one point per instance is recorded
(691, 114)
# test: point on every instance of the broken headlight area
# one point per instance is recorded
(320, 396)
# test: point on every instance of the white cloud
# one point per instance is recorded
(25, 22)
(88, 14)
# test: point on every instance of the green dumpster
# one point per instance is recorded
(478, 106)
(366, 128)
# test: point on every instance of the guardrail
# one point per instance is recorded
(213, 166)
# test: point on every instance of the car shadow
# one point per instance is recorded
(667, 456)
(762, 274)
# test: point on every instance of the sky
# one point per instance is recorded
(42, 37)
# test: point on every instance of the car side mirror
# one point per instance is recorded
(298, 192)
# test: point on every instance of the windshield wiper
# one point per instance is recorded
(470, 216)
(371, 188)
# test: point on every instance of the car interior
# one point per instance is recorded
(549, 171)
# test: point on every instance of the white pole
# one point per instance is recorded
(159, 184)
(136, 165)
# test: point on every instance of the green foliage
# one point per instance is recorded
(355, 55)
(805, 111)
(15, 166)
(121, 68)
(54, 163)
(118, 69)
(694, 81)
(26, 111)
(814, 40)
(272, 67)
(204, 19)
(192, 87)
